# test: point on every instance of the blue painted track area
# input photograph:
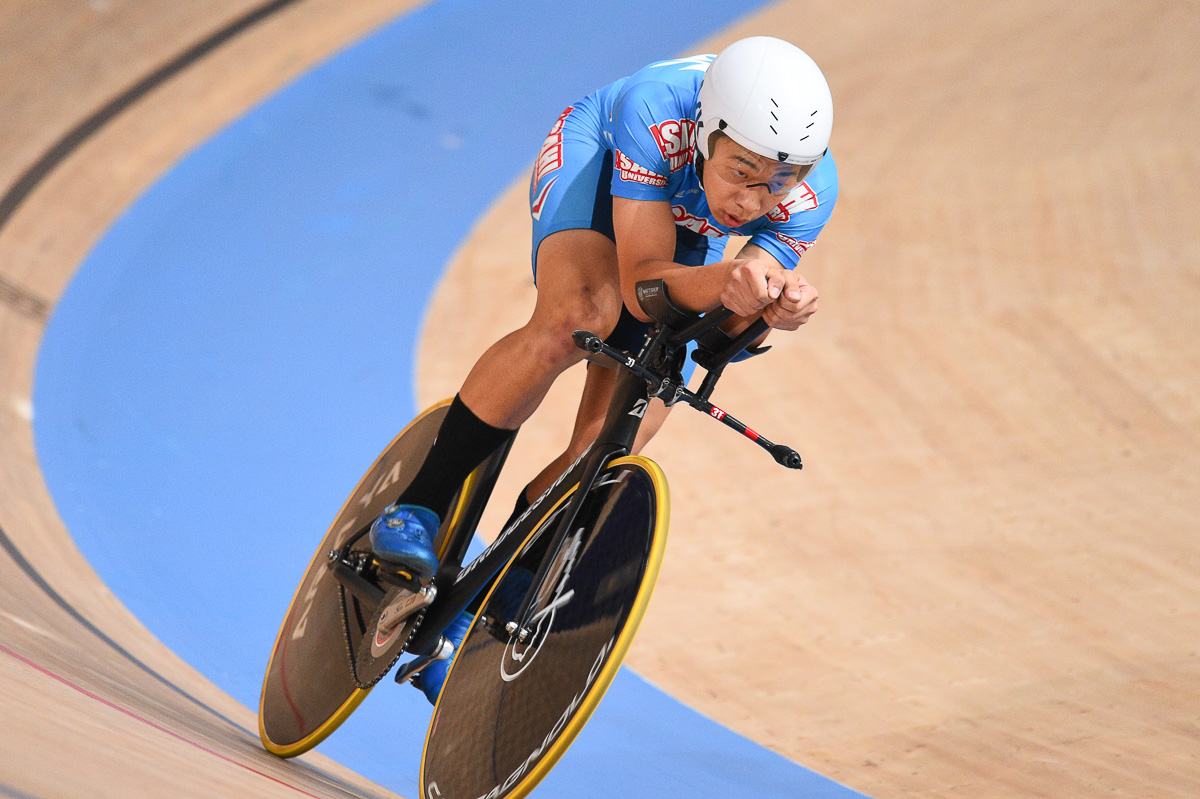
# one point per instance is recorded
(239, 347)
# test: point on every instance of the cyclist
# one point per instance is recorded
(646, 178)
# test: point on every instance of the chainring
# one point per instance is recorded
(371, 660)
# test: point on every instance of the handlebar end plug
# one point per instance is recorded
(588, 341)
(786, 456)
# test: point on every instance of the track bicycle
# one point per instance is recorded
(564, 585)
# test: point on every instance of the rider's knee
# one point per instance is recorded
(591, 311)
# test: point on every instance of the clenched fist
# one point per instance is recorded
(760, 284)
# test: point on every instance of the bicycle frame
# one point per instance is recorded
(630, 397)
(653, 373)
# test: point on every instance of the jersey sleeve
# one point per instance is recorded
(641, 170)
(793, 225)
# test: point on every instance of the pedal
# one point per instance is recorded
(351, 570)
(414, 667)
(397, 578)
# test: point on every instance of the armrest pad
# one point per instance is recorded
(652, 296)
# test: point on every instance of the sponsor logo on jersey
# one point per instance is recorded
(799, 246)
(674, 139)
(801, 198)
(695, 223)
(550, 156)
(540, 200)
(636, 173)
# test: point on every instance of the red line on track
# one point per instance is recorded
(149, 723)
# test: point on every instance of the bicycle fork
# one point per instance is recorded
(626, 410)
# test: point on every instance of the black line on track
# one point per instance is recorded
(30, 571)
(38, 308)
(33, 574)
(23, 301)
(79, 134)
(9, 792)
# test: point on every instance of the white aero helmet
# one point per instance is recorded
(768, 96)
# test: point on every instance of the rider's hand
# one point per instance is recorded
(753, 284)
(795, 304)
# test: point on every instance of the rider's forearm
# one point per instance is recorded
(694, 288)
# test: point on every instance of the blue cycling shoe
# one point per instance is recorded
(432, 677)
(403, 537)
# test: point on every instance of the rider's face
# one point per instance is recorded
(741, 185)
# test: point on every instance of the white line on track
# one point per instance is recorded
(23, 407)
(31, 627)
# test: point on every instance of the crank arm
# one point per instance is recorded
(405, 605)
(444, 649)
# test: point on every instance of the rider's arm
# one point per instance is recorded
(747, 284)
(645, 234)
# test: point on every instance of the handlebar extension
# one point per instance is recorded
(661, 385)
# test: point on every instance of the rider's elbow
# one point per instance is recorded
(629, 279)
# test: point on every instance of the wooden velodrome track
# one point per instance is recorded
(984, 582)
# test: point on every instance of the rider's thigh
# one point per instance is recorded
(656, 415)
(578, 285)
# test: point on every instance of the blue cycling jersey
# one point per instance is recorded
(648, 122)
(634, 139)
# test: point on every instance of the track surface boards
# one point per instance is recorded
(984, 581)
(93, 705)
